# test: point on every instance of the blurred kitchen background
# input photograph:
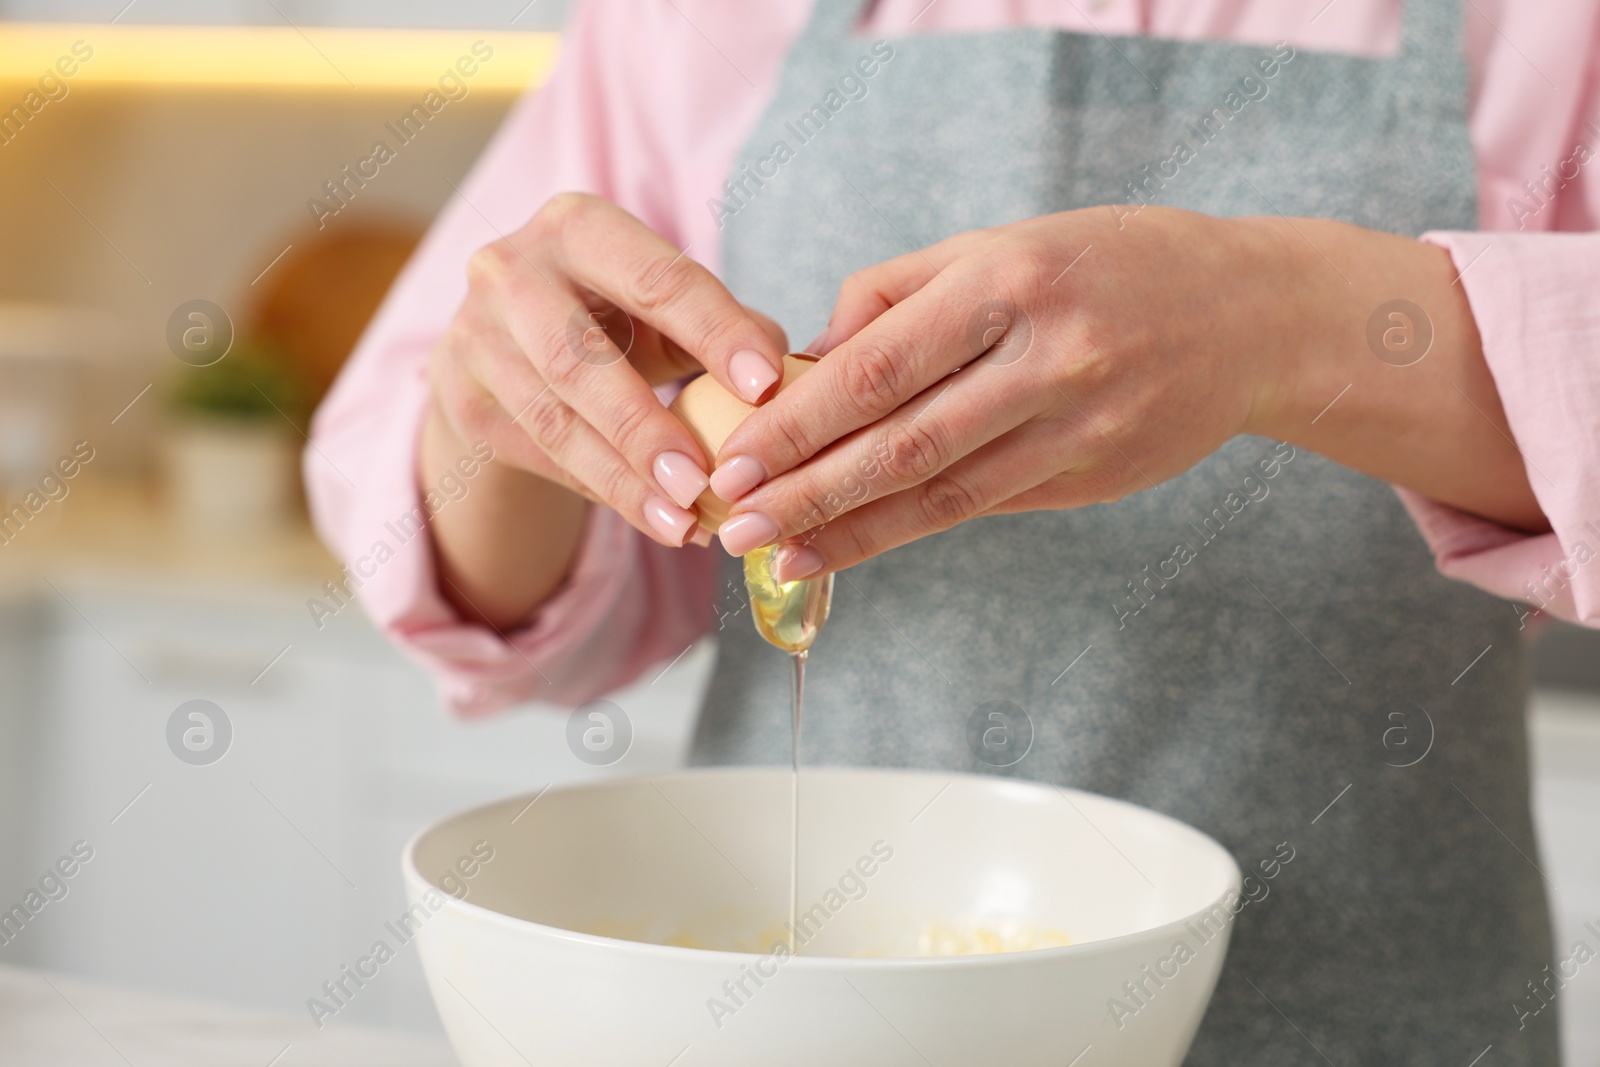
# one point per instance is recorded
(176, 169)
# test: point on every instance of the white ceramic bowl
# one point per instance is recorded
(532, 917)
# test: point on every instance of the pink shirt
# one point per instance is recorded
(650, 103)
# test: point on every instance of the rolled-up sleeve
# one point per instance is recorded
(628, 603)
(1534, 296)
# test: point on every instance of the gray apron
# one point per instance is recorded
(1306, 651)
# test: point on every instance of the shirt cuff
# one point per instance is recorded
(627, 604)
(1532, 297)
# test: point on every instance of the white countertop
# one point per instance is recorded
(110, 532)
(51, 1020)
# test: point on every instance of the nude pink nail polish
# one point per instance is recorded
(668, 520)
(752, 375)
(747, 532)
(794, 562)
(680, 477)
(736, 476)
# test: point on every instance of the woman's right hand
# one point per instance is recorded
(566, 325)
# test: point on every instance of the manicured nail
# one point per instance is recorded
(735, 477)
(818, 345)
(668, 520)
(752, 375)
(680, 477)
(746, 533)
(701, 537)
(794, 562)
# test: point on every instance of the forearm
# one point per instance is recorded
(1436, 425)
(509, 543)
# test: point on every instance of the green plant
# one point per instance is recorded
(253, 381)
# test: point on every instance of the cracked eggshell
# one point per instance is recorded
(712, 413)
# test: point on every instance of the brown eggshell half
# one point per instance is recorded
(712, 413)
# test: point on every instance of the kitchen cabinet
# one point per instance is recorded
(20, 699)
(255, 878)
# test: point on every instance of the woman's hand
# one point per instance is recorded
(566, 325)
(1075, 358)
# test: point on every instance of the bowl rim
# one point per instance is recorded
(695, 956)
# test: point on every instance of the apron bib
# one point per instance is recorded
(1303, 653)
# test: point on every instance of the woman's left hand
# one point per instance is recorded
(1051, 363)
(1077, 358)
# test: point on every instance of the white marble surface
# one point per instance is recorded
(51, 1020)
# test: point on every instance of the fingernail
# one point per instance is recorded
(794, 562)
(752, 375)
(735, 477)
(747, 532)
(680, 477)
(701, 537)
(668, 520)
(818, 345)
